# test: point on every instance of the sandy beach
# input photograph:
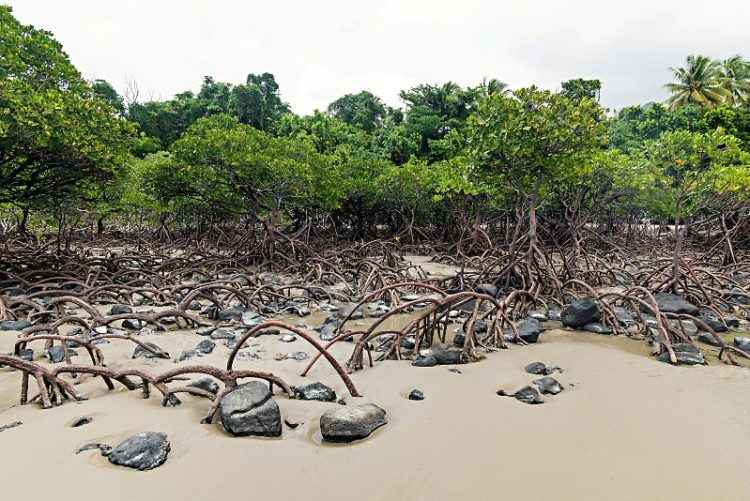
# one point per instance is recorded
(626, 427)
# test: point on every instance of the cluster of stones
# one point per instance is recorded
(250, 410)
(547, 385)
(584, 314)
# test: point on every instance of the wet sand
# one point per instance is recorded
(626, 427)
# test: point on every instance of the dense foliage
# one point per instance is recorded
(450, 159)
(59, 139)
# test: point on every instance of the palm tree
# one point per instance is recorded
(736, 80)
(492, 86)
(698, 83)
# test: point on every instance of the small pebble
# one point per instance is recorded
(11, 425)
(416, 395)
(81, 421)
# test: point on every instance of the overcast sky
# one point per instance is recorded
(320, 50)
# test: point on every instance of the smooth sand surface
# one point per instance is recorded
(626, 427)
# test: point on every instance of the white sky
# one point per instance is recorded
(321, 50)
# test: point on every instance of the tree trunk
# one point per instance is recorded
(533, 239)
(678, 236)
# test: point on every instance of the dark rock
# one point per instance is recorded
(455, 371)
(469, 306)
(26, 354)
(479, 327)
(143, 451)
(625, 317)
(187, 354)
(408, 343)
(211, 312)
(384, 347)
(689, 326)
(488, 289)
(206, 384)
(528, 395)
(56, 354)
(416, 395)
(530, 329)
(686, 354)
(75, 331)
(540, 369)
(249, 410)
(222, 334)
(267, 332)
(425, 361)
(251, 319)
(140, 351)
(672, 303)
(314, 391)
(205, 347)
(231, 314)
(120, 309)
(10, 425)
(536, 368)
(707, 338)
(459, 339)
(131, 324)
(14, 325)
(548, 385)
(291, 426)
(580, 312)
(445, 355)
(81, 421)
(713, 323)
(328, 329)
(299, 310)
(205, 331)
(345, 310)
(597, 328)
(231, 343)
(742, 343)
(740, 298)
(346, 424)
